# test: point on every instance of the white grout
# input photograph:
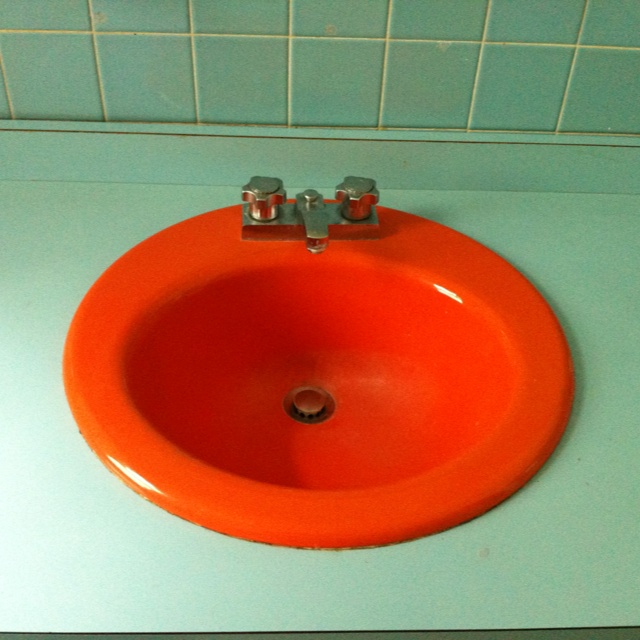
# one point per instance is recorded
(289, 60)
(283, 37)
(479, 65)
(5, 80)
(385, 60)
(194, 68)
(571, 68)
(141, 34)
(97, 59)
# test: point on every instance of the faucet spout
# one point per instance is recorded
(310, 206)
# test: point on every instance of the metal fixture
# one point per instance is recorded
(310, 205)
(309, 405)
(357, 196)
(268, 216)
(264, 195)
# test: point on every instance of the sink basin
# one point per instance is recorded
(378, 392)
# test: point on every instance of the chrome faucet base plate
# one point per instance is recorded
(290, 226)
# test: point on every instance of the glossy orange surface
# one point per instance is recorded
(451, 378)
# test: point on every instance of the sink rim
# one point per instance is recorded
(445, 496)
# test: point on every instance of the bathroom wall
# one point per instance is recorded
(563, 66)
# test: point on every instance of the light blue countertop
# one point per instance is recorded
(80, 552)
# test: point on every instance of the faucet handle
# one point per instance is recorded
(264, 196)
(357, 196)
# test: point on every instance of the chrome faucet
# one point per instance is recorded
(268, 216)
(310, 205)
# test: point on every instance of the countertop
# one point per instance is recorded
(80, 552)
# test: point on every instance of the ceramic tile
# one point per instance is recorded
(521, 87)
(343, 18)
(52, 14)
(604, 94)
(51, 76)
(429, 84)
(612, 23)
(260, 17)
(438, 19)
(336, 82)
(242, 80)
(535, 20)
(147, 78)
(162, 16)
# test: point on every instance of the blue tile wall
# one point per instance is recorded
(612, 22)
(429, 84)
(52, 15)
(555, 66)
(242, 80)
(146, 78)
(342, 91)
(613, 98)
(520, 87)
(438, 19)
(553, 21)
(51, 76)
(160, 16)
(342, 18)
(257, 17)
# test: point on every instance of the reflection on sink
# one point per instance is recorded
(377, 392)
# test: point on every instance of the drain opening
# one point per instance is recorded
(309, 405)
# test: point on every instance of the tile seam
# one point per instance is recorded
(385, 61)
(289, 59)
(96, 57)
(567, 87)
(194, 68)
(565, 45)
(5, 81)
(474, 90)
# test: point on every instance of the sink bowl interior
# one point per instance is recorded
(418, 373)
(380, 391)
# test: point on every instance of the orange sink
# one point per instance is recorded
(380, 391)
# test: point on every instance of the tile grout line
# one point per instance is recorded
(97, 60)
(289, 59)
(478, 65)
(92, 32)
(385, 61)
(5, 81)
(565, 96)
(194, 68)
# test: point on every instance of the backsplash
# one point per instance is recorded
(563, 66)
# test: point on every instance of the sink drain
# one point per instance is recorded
(309, 405)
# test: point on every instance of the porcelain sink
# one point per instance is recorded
(377, 392)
